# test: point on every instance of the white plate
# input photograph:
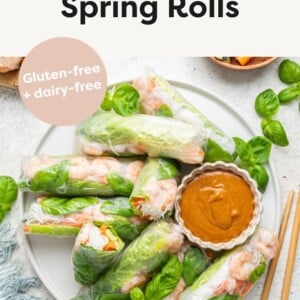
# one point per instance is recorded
(51, 257)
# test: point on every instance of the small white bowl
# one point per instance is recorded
(256, 198)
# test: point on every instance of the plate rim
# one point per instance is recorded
(26, 244)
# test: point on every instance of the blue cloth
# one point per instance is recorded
(13, 286)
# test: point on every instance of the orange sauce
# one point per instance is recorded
(217, 206)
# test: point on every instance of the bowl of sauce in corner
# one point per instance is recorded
(218, 206)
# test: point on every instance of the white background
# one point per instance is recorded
(268, 27)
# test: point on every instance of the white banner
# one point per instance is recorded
(161, 27)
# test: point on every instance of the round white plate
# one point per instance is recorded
(51, 257)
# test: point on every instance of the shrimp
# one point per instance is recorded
(38, 163)
(101, 167)
(91, 150)
(137, 280)
(226, 286)
(79, 168)
(8, 64)
(177, 291)
(265, 242)
(162, 194)
(242, 264)
(133, 170)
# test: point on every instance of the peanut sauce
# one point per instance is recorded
(217, 206)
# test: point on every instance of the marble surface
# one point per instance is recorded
(20, 131)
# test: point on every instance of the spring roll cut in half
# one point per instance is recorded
(158, 97)
(63, 217)
(235, 273)
(131, 269)
(79, 175)
(155, 190)
(94, 251)
(109, 133)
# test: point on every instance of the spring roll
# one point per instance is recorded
(155, 190)
(158, 97)
(131, 268)
(94, 251)
(79, 175)
(235, 273)
(109, 133)
(63, 217)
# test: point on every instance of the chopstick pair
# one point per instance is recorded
(292, 250)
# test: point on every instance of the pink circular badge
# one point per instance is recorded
(62, 81)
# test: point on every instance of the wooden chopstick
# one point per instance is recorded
(273, 264)
(292, 252)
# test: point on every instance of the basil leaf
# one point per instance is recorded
(260, 175)
(114, 297)
(157, 263)
(261, 148)
(136, 294)
(288, 94)
(244, 151)
(214, 152)
(8, 194)
(267, 103)
(51, 177)
(226, 297)
(164, 283)
(164, 111)
(119, 184)
(258, 272)
(194, 263)
(289, 71)
(167, 169)
(64, 206)
(118, 206)
(274, 131)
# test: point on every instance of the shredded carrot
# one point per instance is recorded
(110, 246)
(26, 228)
(137, 201)
(201, 153)
(103, 228)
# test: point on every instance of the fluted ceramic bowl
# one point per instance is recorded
(245, 234)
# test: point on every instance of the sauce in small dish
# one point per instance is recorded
(218, 206)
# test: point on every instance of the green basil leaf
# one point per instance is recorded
(8, 194)
(261, 148)
(244, 151)
(260, 175)
(194, 263)
(157, 263)
(167, 169)
(125, 100)
(114, 297)
(164, 283)
(289, 71)
(214, 152)
(164, 111)
(64, 206)
(258, 272)
(117, 206)
(288, 94)
(119, 184)
(267, 103)
(136, 294)
(51, 177)
(226, 297)
(274, 131)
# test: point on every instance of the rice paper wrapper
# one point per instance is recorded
(155, 191)
(79, 175)
(159, 97)
(109, 133)
(89, 261)
(130, 269)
